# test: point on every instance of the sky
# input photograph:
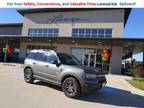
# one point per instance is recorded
(135, 24)
(10, 15)
(133, 29)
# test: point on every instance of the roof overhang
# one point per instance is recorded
(50, 10)
(11, 24)
(124, 42)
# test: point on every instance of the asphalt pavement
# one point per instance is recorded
(15, 93)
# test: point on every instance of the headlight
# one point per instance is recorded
(90, 76)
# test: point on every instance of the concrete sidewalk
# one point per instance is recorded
(120, 81)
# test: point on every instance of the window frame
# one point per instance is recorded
(43, 32)
(47, 57)
(34, 56)
(91, 34)
(39, 57)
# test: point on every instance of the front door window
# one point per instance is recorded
(91, 57)
(92, 60)
(86, 59)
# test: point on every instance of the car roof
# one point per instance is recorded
(43, 51)
(48, 51)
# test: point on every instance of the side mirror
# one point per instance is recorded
(56, 63)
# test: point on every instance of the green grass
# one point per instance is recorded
(138, 79)
(137, 82)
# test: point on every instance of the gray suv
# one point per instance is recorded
(63, 70)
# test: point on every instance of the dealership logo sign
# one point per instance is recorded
(61, 18)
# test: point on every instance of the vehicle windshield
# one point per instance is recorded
(68, 59)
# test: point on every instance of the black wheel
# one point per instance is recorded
(71, 87)
(28, 75)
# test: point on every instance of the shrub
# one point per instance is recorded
(138, 71)
(138, 79)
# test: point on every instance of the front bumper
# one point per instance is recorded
(91, 85)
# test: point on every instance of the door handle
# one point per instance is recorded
(46, 65)
(34, 63)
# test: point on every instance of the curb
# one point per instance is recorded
(12, 64)
(8, 64)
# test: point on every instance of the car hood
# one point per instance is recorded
(91, 69)
(84, 68)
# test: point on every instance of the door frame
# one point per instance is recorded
(89, 54)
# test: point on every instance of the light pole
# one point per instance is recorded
(5, 55)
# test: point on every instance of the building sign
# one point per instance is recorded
(90, 51)
(61, 18)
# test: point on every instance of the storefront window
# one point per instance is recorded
(78, 53)
(86, 57)
(88, 33)
(101, 31)
(92, 32)
(43, 32)
(99, 58)
(92, 57)
(108, 33)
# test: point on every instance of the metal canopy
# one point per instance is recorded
(124, 42)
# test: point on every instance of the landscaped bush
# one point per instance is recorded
(138, 71)
(138, 79)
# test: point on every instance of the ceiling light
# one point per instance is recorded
(73, 41)
(76, 43)
(99, 42)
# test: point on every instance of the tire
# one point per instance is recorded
(28, 75)
(71, 87)
(99, 86)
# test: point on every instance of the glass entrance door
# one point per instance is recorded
(92, 57)
(89, 59)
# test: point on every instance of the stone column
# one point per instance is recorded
(116, 60)
(23, 49)
(63, 48)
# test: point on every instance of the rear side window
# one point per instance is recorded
(31, 55)
(40, 57)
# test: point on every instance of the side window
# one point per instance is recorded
(31, 55)
(40, 57)
(62, 58)
(50, 58)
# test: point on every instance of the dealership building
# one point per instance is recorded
(84, 33)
